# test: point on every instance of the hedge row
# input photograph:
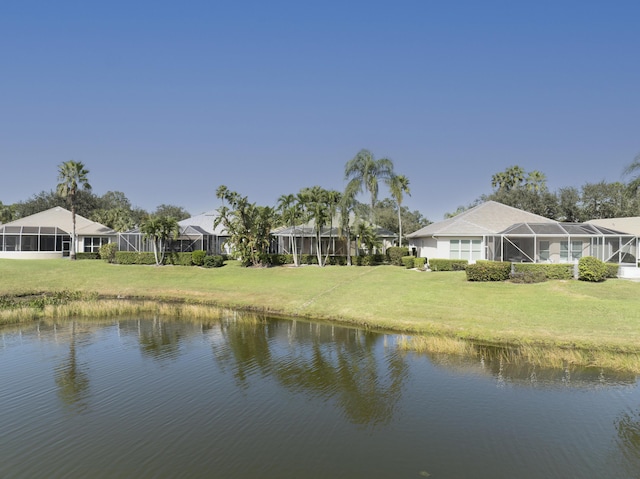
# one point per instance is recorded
(488, 271)
(397, 254)
(550, 271)
(438, 264)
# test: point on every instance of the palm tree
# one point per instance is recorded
(398, 185)
(291, 211)
(634, 167)
(536, 181)
(72, 176)
(160, 229)
(347, 206)
(363, 172)
(316, 203)
(333, 200)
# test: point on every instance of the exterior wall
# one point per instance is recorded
(30, 254)
(430, 247)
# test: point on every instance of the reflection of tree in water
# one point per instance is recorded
(159, 339)
(320, 360)
(72, 381)
(628, 427)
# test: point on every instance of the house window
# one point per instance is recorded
(92, 245)
(544, 251)
(465, 249)
(570, 252)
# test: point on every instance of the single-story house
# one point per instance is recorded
(47, 235)
(196, 233)
(330, 237)
(493, 231)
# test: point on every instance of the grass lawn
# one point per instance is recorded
(560, 313)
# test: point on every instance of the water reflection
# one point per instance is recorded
(338, 363)
(70, 376)
(264, 397)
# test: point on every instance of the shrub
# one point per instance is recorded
(179, 259)
(396, 253)
(438, 264)
(108, 252)
(87, 255)
(338, 260)
(372, 259)
(216, 261)
(408, 261)
(528, 276)
(612, 270)
(551, 271)
(197, 257)
(591, 269)
(488, 271)
(419, 262)
(133, 257)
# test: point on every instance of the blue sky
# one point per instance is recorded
(166, 101)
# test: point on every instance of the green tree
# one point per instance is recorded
(7, 213)
(160, 229)
(398, 186)
(569, 209)
(367, 237)
(363, 173)
(346, 208)
(177, 212)
(316, 202)
(387, 217)
(508, 179)
(72, 176)
(633, 169)
(291, 214)
(247, 225)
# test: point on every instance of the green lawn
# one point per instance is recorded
(602, 315)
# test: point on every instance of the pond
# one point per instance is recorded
(276, 398)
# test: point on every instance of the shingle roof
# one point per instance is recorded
(61, 218)
(204, 222)
(487, 218)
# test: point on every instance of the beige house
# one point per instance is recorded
(493, 231)
(47, 235)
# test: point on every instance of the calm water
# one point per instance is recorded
(291, 399)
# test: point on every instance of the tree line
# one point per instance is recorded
(528, 191)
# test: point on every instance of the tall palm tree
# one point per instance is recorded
(291, 212)
(363, 172)
(333, 200)
(398, 185)
(633, 168)
(160, 229)
(316, 203)
(347, 206)
(72, 176)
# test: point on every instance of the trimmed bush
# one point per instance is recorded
(551, 271)
(396, 253)
(84, 255)
(108, 252)
(408, 261)
(133, 257)
(197, 257)
(528, 276)
(488, 271)
(216, 261)
(438, 264)
(612, 270)
(372, 259)
(419, 262)
(179, 259)
(591, 269)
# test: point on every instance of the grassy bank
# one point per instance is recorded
(567, 314)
